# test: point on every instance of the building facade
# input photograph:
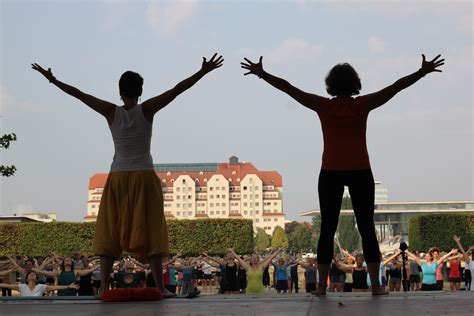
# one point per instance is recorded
(381, 193)
(212, 190)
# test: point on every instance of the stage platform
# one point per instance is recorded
(348, 304)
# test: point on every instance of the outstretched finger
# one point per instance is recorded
(260, 60)
(434, 59)
(245, 67)
(213, 56)
(424, 58)
(219, 59)
(247, 73)
(248, 61)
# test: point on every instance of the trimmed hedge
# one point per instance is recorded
(426, 231)
(191, 237)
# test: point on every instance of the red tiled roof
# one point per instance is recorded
(225, 169)
(98, 180)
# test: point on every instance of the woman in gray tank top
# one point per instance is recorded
(131, 216)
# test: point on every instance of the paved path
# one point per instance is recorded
(348, 304)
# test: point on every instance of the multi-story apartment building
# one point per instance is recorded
(212, 190)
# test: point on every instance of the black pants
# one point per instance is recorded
(294, 283)
(362, 190)
(6, 292)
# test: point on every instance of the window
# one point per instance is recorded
(256, 220)
(218, 204)
(93, 206)
(218, 196)
(257, 212)
(275, 219)
(218, 212)
(251, 204)
(178, 197)
(178, 205)
(178, 213)
(189, 196)
(190, 189)
(212, 196)
(190, 213)
(178, 189)
(211, 189)
(190, 205)
(256, 196)
(256, 188)
(257, 204)
(223, 196)
(223, 204)
(212, 212)
(251, 213)
(245, 188)
(223, 188)
(245, 212)
(184, 181)
(211, 205)
(275, 203)
(223, 212)
(245, 196)
(245, 204)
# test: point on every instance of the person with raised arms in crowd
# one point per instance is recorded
(255, 268)
(469, 259)
(67, 275)
(32, 288)
(429, 267)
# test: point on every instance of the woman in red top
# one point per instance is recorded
(454, 276)
(345, 158)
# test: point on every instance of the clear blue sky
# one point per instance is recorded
(420, 143)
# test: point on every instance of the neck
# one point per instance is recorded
(31, 283)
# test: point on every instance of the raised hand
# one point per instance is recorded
(457, 238)
(47, 73)
(430, 66)
(212, 64)
(253, 68)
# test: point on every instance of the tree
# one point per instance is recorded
(347, 232)
(5, 140)
(279, 238)
(262, 240)
(300, 240)
(316, 221)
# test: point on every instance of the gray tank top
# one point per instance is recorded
(414, 268)
(131, 133)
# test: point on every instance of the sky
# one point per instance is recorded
(420, 143)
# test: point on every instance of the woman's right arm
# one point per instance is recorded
(105, 108)
(374, 100)
(311, 101)
(458, 242)
(413, 257)
(9, 286)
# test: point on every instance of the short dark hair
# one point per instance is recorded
(27, 274)
(343, 80)
(131, 84)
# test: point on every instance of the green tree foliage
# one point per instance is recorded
(300, 240)
(190, 237)
(262, 240)
(7, 171)
(426, 231)
(279, 238)
(316, 222)
(347, 232)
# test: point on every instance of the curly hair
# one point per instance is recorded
(343, 80)
(131, 84)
